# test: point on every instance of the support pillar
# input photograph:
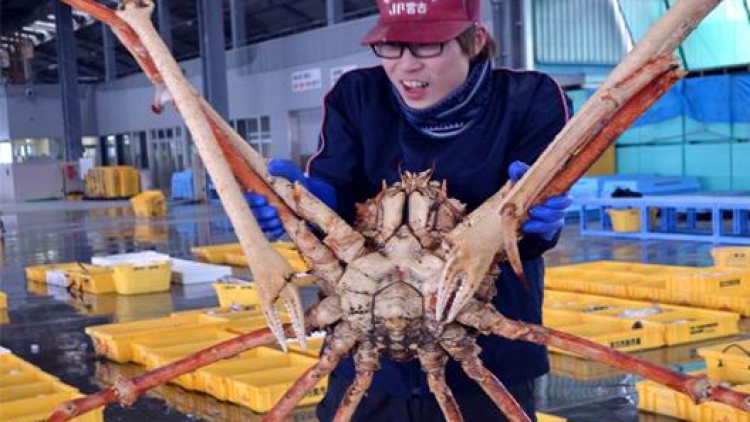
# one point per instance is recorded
(237, 17)
(165, 22)
(108, 48)
(68, 75)
(334, 11)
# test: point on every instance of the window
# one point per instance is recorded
(257, 132)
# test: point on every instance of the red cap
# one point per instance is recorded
(422, 21)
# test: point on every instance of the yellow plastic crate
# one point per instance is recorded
(142, 348)
(260, 390)
(656, 398)
(246, 325)
(115, 340)
(625, 220)
(3, 300)
(92, 279)
(231, 294)
(738, 301)
(216, 254)
(28, 394)
(710, 280)
(649, 290)
(611, 284)
(149, 204)
(214, 379)
(620, 335)
(683, 325)
(162, 356)
(736, 257)
(580, 368)
(728, 362)
(38, 273)
(133, 279)
(543, 417)
(39, 408)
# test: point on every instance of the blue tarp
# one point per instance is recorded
(708, 99)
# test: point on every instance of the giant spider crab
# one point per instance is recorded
(404, 284)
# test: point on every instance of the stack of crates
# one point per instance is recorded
(3, 301)
(112, 182)
(27, 394)
(255, 379)
(122, 278)
(717, 287)
(628, 325)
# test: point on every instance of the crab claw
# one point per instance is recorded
(290, 298)
(473, 253)
(464, 272)
(511, 224)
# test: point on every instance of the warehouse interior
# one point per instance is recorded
(111, 230)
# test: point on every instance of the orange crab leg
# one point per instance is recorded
(340, 343)
(126, 391)
(488, 320)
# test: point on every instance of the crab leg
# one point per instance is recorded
(366, 361)
(325, 263)
(638, 81)
(126, 391)
(433, 362)
(488, 320)
(340, 343)
(464, 349)
(265, 263)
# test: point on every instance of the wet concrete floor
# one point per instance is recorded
(45, 325)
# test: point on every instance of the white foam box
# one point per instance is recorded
(193, 272)
(144, 257)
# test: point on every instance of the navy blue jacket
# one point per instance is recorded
(365, 139)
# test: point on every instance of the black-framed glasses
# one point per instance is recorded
(395, 50)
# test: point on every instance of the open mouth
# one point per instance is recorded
(414, 84)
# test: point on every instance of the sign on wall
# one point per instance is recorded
(306, 80)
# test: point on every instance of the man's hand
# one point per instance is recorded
(267, 215)
(547, 219)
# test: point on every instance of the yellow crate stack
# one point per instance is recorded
(112, 182)
(617, 334)
(255, 379)
(719, 288)
(676, 324)
(3, 300)
(28, 394)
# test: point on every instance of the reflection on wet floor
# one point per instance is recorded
(45, 324)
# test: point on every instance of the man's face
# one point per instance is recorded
(422, 82)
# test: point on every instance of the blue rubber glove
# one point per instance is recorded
(267, 215)
(547, 219)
